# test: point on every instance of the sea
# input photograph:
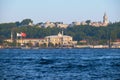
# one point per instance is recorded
(59, 64)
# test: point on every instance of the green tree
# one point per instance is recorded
(26, 22)
(88, 22)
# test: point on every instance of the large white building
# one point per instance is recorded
(60, 39)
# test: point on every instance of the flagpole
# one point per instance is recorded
(11, 36)
(21, 41)
(22, 36)
(17, 42)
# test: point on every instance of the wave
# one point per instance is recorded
(100, 57)
(70, 66)
(45, 60)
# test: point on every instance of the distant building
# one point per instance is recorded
(96, 24)
(40, 25)
(62, 25)
(30, 24)
(83, 41)
(33, 41)
(116, 43)
(105, 19)
(49, 24)
(83, 23)
(75, 24)
(59, 39)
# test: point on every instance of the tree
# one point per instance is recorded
(88, 22)
(89, 33)
(17, 23)
(1, 39)
(26, 22)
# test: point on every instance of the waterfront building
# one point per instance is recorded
(60, 39)
(116, 43)
(31, 41)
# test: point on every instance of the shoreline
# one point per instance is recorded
(36, 48)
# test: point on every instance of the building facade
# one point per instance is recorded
(60, 39)
(56, 40)
(95, 24)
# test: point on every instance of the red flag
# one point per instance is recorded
(23, 34)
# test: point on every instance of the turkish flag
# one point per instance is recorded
(23, 34)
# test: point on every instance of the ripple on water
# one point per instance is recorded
(60, 64)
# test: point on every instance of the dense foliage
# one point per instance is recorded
(89, 33)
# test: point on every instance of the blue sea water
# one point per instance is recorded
(60, 64)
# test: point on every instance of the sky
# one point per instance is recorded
(66, 11)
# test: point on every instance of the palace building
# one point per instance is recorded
(59, 40)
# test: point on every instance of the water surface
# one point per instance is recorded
(60, 64)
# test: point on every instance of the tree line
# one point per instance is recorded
(93, 35)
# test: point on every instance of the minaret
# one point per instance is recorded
(105, 19)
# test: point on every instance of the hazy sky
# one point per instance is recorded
(66, 11)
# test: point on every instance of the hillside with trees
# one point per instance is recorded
(93, 35)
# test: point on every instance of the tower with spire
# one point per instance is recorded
(105, 19)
